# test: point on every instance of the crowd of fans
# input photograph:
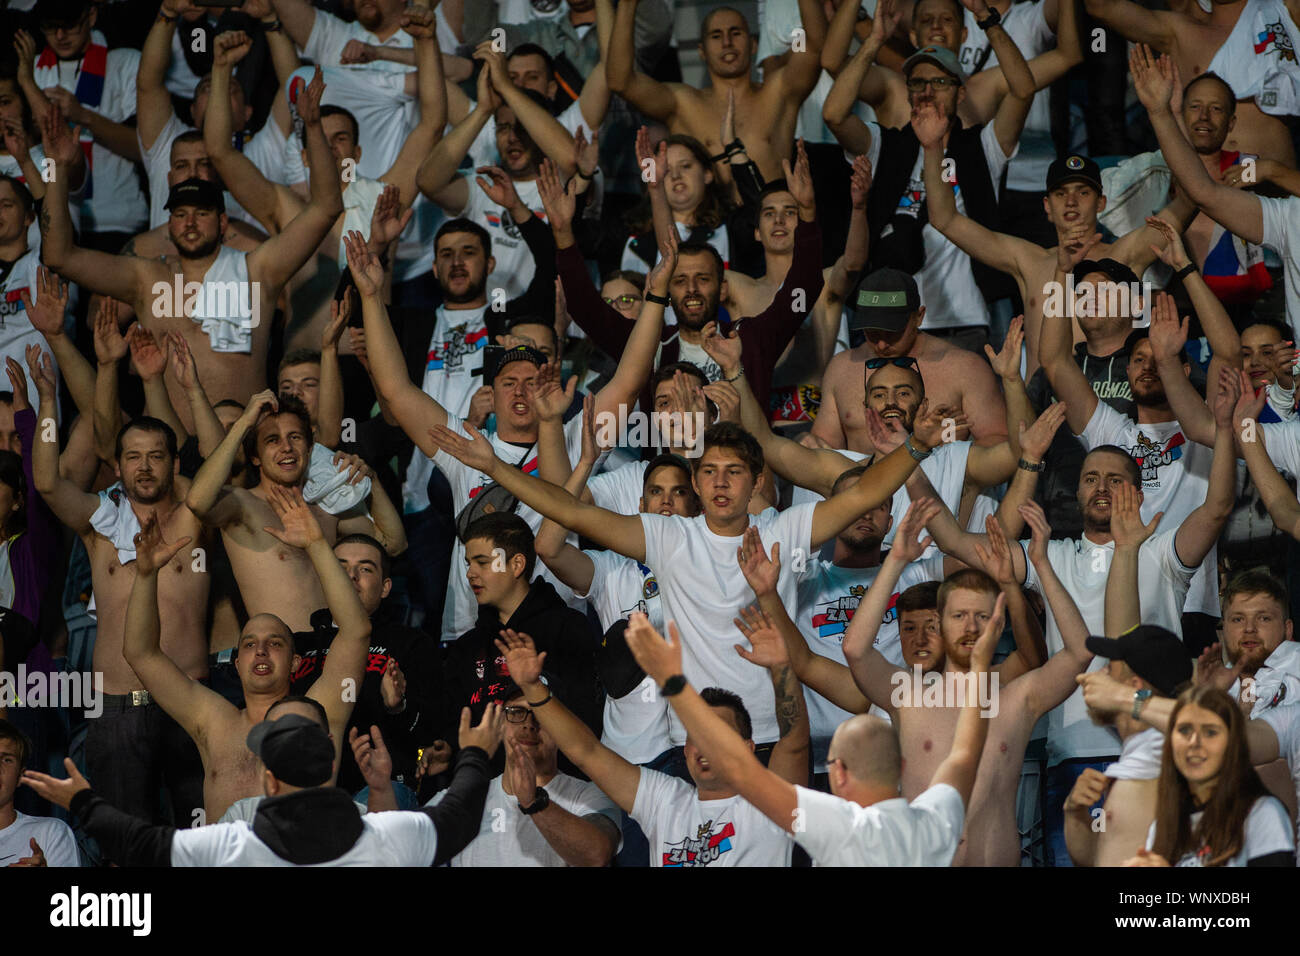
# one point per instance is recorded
(442, 434)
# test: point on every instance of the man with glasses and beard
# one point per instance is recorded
(535, 815)
(133, 745)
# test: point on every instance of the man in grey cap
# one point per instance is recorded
(302, 821)
(886, 308)
(1153, 662)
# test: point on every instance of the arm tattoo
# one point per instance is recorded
(44, 223)
(787, 690)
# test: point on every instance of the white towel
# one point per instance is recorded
(1258, 60)
(327, 484)
(228, 310)
(116, 521)
(1140, 757)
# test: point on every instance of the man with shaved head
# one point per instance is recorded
(265, 658)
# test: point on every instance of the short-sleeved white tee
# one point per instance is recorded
(1282, 234)
(1267, 830)
(948, 290)
(1083, 567)
(1285, 722)
(702, 589)
(54, 837)
(514, 261)
(462, 609)
(1175, 480)
(684, 830)
(635, 725)
(506, 837)
(828, 598)
(925, 832)
(619, 489)
(391, 838)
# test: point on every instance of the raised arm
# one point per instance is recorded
(1168, 337)
(1200, 529)
(438, 177)
(207, 426)
(1009, 120)
(637, 362)
(1278, 496)
(1123, 603)
(1224, 341)
(730, 757)
(1237, 210)
(571, 565)
(279, 257)
(47, 316)
(432, 98)
(209, 498)
(345, 664)
(298, 17)
(649, 96)
(153, 103)
(69, 503)
(110, 349)
(837, 112)
(617, 778)
(186, 701)
(763, 628)
(996, 556)
(1067, 379)
(543, 128)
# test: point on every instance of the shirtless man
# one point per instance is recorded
(265, 659)
(310, 290)
(1194, 41)
(937, 23)
(130, 746)
(966, 602)
(954, 376)
(765, 113)
(1074, 198)
(231, 351)
(1152, 661)
(274, 579)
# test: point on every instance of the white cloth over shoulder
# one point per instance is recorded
(1258, 60)
(115, 519)
(327, 483)
(1140, 758)
(226, 303)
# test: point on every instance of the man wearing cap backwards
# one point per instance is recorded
(887, 307)
(1152, 661)
(951, 286)
(265, 657)
(527, 400)
(303, 821)
(227, 321)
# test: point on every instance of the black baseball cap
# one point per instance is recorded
(1155, 654)
(1071, 169)
(295, 749)
(1112, 269)
(64, 13)
(498, 358)
(883, 300)
(196, 192)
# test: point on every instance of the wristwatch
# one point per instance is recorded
(911, 450)
(1026, 465)
(541, 800)
(657, 299)
(1140, 697)
(994, 19)
(673, 685)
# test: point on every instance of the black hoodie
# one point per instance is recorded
(476, 671)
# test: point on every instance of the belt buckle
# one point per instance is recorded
(141, 698)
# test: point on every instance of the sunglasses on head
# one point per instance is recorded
(903, 361)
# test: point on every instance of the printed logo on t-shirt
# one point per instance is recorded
(528, 468)
(832, 621)
(1151, 456)
(649, 586)
(705, 848)
(913, 199)
(460, 342)
(1276, 38)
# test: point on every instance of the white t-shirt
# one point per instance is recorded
(1282, 439)
(116, 203)
(245, 809)
(391, 838)
(506, 837)
(54, 837)
(636, 724)
(16, 330)
(455, 354)
(1282, 234)
(1026, 24)
(702, 589)
(684, 830)
(514, 262)
(1083, 568)
(1285, 722)
(462, 608)
(526, 11)
(1267, 830)
(828, 597)
(925, 832)
(619, 489)
(265, 150)
(483, 151)
(948, 290)
(1175, 480)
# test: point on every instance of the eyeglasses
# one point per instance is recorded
(517, 715)
(916, 83)
(903, 361)
(625, 299)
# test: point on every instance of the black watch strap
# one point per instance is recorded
(992, 20)
(658, 299)
(673, 685)
(541, 800)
